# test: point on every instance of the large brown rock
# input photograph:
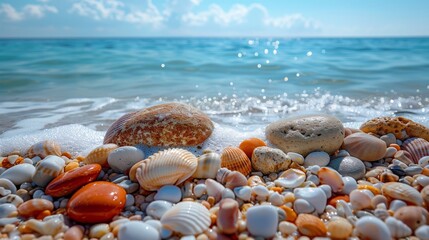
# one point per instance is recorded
(170, 124)
(306, 134)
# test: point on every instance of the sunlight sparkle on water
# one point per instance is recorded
(266, 51)
(309, 53)
(267, 61)
(259, 65)
(286, 79)
(239, 55)
(163, 65)
(250, 42)
(297, 74)
(274, 51)
(256, 54)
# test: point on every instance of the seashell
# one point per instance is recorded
(303, 206)
(332, 178)
(404, 157)
(8, 210)
(310, 225)
(227, 219)
(339, 228)
(315, 196)
(50, 227)
(255, 180)
(425, 195)
(260, 191)
(214, 189)
(43, 149)
(169, 124)
(208, 165)
(136, 229)
(412, 216)
(168, 167)
(158, 208)
(187, 218)
(199, 190)
(417, 147)
(388, 177)
(361, 199)
(169, 193)
(365, 147)
(122, 159)
(378, 199)
(12, 198)
(276, 199)
(133, 171)
(269, 160)
(47, 169)
(19, 174)
(424, 161)
(350, 184)
(249, 145)
(231, 179)
(100, 154)
(344, 209)
(296, 158)
(262, 221)
(235, 159)
(34, 207)
(287, 228)
(7, 184)
(369, 227)
(11, 161)
(74, 233)
(291, 178)
(244, 193)
(397, 228)
(99, 230)
(396, 204)
(401, 191)
(422, 232)
(318, 158)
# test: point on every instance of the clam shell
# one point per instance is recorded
(208, 165)
(310, 225)
(397, 228)
(315, 196)
(47, 169)
(417, 147)
(365, 147)
(187, 218)
(169, 167)
(291, 178)
(100, 154)
(235, 159)
(332, 178)
(43, 149)
(369, 227)
(401, 191)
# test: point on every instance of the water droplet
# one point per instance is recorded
(309, 53)
(267, 61)
(239, 55)
(259, 65)
(286, 79)
(163, 65)
(266, 51)
(274, 51)
(270, 81)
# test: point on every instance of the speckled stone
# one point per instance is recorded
(348, 166)
(269, 160)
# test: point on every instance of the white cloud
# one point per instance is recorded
(39, 11)
(28, 11)
(10, 12)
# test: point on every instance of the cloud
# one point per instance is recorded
(28, 11)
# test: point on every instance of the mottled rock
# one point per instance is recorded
(269, 160)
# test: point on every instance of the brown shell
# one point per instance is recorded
(310, 225)
(235, 159)
(170, 124)
(100, 154)
(402, 191)
(417, 147)
(365, 147)
(43, 149)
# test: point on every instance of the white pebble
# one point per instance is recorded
(314, 179)
(169, 193)
(396, 204)
(155, 224)
(422, 180)
(244, 193)
(314, 169)
(287, 228)
(200, 190)
(276, 199)
(136, 229)
(129, 200)
(422, 232)
(327, 190)
(227, 193)
(157, 209)
(260, 191)
(318, 158)
(350, 184)
(302, 206)
(38, 193)
(424, 161)
(262, 221)
(370, 227)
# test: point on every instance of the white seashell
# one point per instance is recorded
(157, 209)
(200, 190)
(227, 193)
(208, 165)
(48, 169)
(43, 149)
(424, 161)
(169, 193)
(397, 228)
(369, 227)
(422, 232)
(276, 199)
(314, 196)
(214, 189)
(262, 221)
(291, 178)
(11, 220)
(8, 210)
(187, 218)
(318, 158)
(171, 166)
(134, 230)
(287, 228)
(401, 191)
(332, 178)
(13, 199)
(123, 158)
(314, 179)
(313, 169)
(396, 204)
(350, 184)
(303, 206)
(361, 199)
(260, 191)
(100, 154)
(244, 193)
(296, 158)
(7, 184)
(50, 227)
(155, 224)
(99, 230)
(422, 180)
(344, 210)
(19, 174)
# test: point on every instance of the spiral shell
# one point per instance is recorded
(401, 191)
(417, 147)
(172, 166)
(100, 154)
(208, 165)
(43, 149)
(235, 159)
(187, 218)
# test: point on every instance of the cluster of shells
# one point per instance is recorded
(174, 194)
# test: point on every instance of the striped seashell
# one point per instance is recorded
(100, 154)
(43, 149)
(417, 147)
(12, 199)
(235, 159)
(208, 165)
(47, 169)
(11, 161)
(310, 225)
(187, 218)
(133, 170)
(169, 167)
(401, 191)
(34, 207)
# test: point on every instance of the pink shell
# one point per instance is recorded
(417, 147)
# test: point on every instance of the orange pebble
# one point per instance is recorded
(67, 155)
(250, 144)
(290, 213)
(80, 158)
(333, 201)
(395, 146)
(43, 214)
(71, 166)
(425, 171)
(373, 189)
(277, 189)
(34, 207)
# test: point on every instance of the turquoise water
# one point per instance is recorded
(241, 83)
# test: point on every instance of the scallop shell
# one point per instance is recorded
(365, 147)
(401, 191)
(47, 169)
(235, 159)
(417, 147)
(310, 225)
(208, 165)
(187, 218)
(43, 149)
(100, 154)
(169, 167)
(291, 178)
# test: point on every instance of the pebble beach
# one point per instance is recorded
(156, 176)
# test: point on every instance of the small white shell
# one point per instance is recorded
(19, 174)
(291, 178)
(317, 158)
(168, 167)
(302, 206)
(47, 169)
(200, 189)
(369, 227)
(296, 158)
(13, 199)
(158, 208)
(99, 230)
(401, 191)
(315, 196)
(123, 158)
(350, 184)
(244, 193)
(7, 184)
(397, 228)
(7, 210)
(422, 232)
(187, 218)
(43, 149)
(208, 165)
(169, 193)
(361, 199)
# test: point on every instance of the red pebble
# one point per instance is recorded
(96, 202)
(72, 180)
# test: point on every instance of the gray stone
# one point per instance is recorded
(270, 160)
(349, 166)
(307, 134)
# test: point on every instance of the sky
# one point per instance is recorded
(204, 18)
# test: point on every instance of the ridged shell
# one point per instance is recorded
(417, 147)
(208, 165)
(401, 191)
(47, 169)
(100, 154)
(365, 147)
(235, 159)
(43, 149)
(169, 167)
(187, 218)
(310, 225)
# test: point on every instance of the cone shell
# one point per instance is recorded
(365, 147)
(417, 147)
(43, 149)
(310, 225)
(208, 165)
(401, 191)
(100, 154)
(168, 167)
(187, 218)
(235, 159)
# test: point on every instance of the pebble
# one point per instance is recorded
(424, 161)
(422, 232)
(350, 184)
(19, 174)
(372, 228)
(129, 186)
(413, 170)
(244, 193)
(316, 197)
(348, 166)
(268, 160)
(134, 230)
(158, 208)
(123, 158)
(287, 228)
(169, 193)
(261, 191)
(228, 193)
(262, 221)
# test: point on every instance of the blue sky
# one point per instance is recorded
(142, 18)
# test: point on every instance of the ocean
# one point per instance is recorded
(71, 90)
